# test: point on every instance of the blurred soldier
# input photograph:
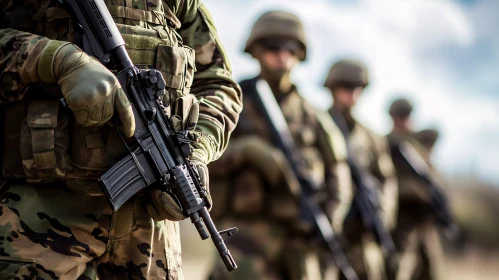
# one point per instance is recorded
(55, 221)
(419, 249)
(254, 180)
(347, 80)
(427, 138)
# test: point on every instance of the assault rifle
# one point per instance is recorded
(438, 200)
(366, 199)
(157, 153)
(308, 204)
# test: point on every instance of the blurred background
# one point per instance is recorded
(443, 55)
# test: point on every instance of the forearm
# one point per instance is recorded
(219, 95)
(20, 54)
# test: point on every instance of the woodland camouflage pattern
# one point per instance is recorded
(253, 181)
(53, 227)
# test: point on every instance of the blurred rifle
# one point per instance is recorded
(366, 199)
(438, 200)
(309, 206)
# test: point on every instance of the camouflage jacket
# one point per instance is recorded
(151, 29)
(373, 155)
(250, 197)
(414, 196)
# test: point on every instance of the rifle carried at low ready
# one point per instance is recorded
(157, 153)
(366, 199)
(308, 204)
(438, 200)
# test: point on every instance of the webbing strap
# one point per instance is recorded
(42, 119)
(154, 17)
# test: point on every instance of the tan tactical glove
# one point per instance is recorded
(184, 118)
(91, 91)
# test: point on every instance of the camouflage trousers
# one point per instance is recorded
(262, 252)
(366, 257)
(49, 232)
(420, 255)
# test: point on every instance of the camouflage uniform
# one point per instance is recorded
(55, 221)
(420, 254)
(372, 155)
(254, 182)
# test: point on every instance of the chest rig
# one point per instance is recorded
(50, 145)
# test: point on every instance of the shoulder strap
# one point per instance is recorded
(334, 134)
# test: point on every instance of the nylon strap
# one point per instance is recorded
(135, 14)
(42, 119)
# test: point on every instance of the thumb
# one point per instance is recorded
(125, 112)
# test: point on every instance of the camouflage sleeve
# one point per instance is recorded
(19, 55)
(385, 171)
(219, 95)
(338, 179)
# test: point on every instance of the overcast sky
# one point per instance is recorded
(444, 55)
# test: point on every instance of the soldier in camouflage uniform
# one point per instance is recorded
(420, 254)
(254, 181)
(55, 222)
(347, 80)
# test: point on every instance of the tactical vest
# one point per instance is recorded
(42, 141)
(303, 126)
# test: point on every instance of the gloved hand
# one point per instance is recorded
(164, 206)
(91, 91)
(184, 118)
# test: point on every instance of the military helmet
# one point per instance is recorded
(278, 24)
(347, 72)
(401, 107)
(427, 137)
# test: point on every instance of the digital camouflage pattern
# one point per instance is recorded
(420, 253)
(372, 154)
(253, 181)
(65, 224)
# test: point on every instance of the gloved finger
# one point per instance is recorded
(192, 120)
(107, 112)
(81, 117)
(183, 106)
(203, 175)
(204, 179)
(95, 115)
(125, 112)
(177, 123)
(165, 207)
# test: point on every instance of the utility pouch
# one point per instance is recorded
(44, 141)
